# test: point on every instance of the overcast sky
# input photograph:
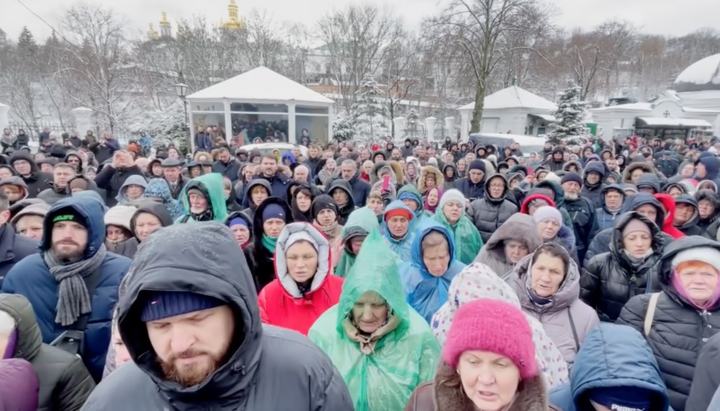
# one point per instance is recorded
(653, 16)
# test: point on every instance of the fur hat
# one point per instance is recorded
(706, 255)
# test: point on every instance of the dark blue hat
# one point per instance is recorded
(273, 211)
(622, 398)
(164, 304)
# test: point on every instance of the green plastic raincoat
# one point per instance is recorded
(467, 238)
(212, 185)
(409, 190)
(360, 222)
(379, 378)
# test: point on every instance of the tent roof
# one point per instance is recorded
(514, 97)
(261, 84)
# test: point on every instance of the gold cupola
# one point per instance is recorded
(165, 27)
(152, 34)
(234, 22)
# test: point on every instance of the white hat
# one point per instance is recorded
(707, 255)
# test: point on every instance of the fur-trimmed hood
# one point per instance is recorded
(427, 170)
(646, 167)
(397, 174)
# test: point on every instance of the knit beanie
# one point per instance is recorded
(622, 398)
(477, 165)
(635, 225)
(547, 212)
(196, 191)
(571, 176)
(273, 211)
(494, 326)
(452, 195)
(67, 214)
(324, 202)
(707, 255)
(78, 182)
(238, 221)
(164, 304)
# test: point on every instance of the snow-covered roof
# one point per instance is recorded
(547, 117)
(261, 84)
(701, 75)
(514, 97)
(673, 122)
(633, 106)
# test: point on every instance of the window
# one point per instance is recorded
(311, 110)
(316, 128)
(258, 108)
(260, 125)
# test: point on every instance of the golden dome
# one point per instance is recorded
(152, 34)
(234, 22)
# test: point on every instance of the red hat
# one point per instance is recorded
(398, 212)
(493, 326)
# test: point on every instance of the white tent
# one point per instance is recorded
(263, 98)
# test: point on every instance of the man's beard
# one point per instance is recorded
(571, 196)
(191, 374)
(71, 255)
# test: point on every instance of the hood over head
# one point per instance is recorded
(668, 203)
(290, 234)
(431, 170)
(25, 155)
(409, 190)
(616, 356)
(646, 167)
(212, 185)
(156, 209)
(360, 222)
(672, 249)
(710, 196)
(393, 167)
(91, 209)
(689, 200)
(638, 200)
(519, 227)
(345, 186)
(203, 259)
(423, 230)
(597, 167)
(39, 209)
(617, 235)
(134, 179)
(29, 337)
(257, 222)
(506, 187)
(649, 180)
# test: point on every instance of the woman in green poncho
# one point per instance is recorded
(382, 347)
(451, 213)
(360, 223)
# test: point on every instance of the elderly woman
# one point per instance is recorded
(478, 282)
(305, 287)
(679, 320)
(548, 285)
(382, 347)
(551, 229)
(627, 270)
(398, 228)
(451, 214)
(327, 172)
(426, 278)
(515, 239)
(488, 363)
(132, 189)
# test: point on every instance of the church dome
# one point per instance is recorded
(702, 75)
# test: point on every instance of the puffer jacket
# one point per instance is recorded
(712, 220)
(601, 242)
(594, 193)
(606, 219)
(610, 279)
(519, 227)
(706, 379)
(19, 386)
(582, 213)
(260, 260)
(488, 214)
(649, 180)
(679, 331)
(690, 227)
(566, 319)
(65, 383)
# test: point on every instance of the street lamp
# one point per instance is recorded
(181, 90)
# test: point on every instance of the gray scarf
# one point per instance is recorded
(73, 297)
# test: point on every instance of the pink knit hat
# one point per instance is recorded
(493, 326)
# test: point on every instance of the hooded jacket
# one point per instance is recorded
(283, 303)
(478, 282)
(488, 213)
(31, 278)
(156, 209)
(229, 170)
(111, 180)
(278, 184)
(425, 292)
(611, 279)
(594, 192)
(556, 193)
(612, 356)
(706, 380)
(712, 169)
(260, 260)
(13, 249)
(397, 174)
(552, 165)
(668, 202)
(520, 228)
(468, 241)
(65, 383)
(604, 217)
(420, 213)
(405, 352)
(18, 182)
(37, 181)
(601, 242)
(649, 180)
(137, 180)
(401, 247)
(121, 216)
(690, 227)
(212, 187)
(430, 170)
(566, 319)
(679, 331)
(710, 223)
(159, 188)
(349, 207)
(418, 168)
(360, 189)
(646, 167)
(361, 222)
(450, 181)
(250, 211)
(261, 359)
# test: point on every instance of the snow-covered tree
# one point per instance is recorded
(570, 115)
(413, 126)
(369, 111)
(164, 127)
(343, 128)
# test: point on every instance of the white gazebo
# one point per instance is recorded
(261, 101)
(511, 109)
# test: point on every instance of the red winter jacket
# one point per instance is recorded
(281, 302)
(668, 202)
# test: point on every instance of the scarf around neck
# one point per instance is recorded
(74, 299)
(269, 242)
(329, 230)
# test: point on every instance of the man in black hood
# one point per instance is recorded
(593, 186)
(556, 162)
(26, 168)
(407, 149)
(191, 323)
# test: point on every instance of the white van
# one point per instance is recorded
(528, 144)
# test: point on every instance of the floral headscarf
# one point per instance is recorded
(158, 188)
(478, 281)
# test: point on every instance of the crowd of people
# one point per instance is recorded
(438, 277)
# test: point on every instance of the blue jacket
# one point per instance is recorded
(32, 279)
(611, 356)
(402, 247)
(423, 291)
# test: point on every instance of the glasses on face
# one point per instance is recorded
(500, 185)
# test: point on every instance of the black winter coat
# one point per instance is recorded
(13, 248)
(229, 170)
(610, 280)
(706, 378)
(679, 330)
(260, 259)
(112, 179)
(582, 214)
(37, 181)
(488, 214)
(471, 191)
(594, 193)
